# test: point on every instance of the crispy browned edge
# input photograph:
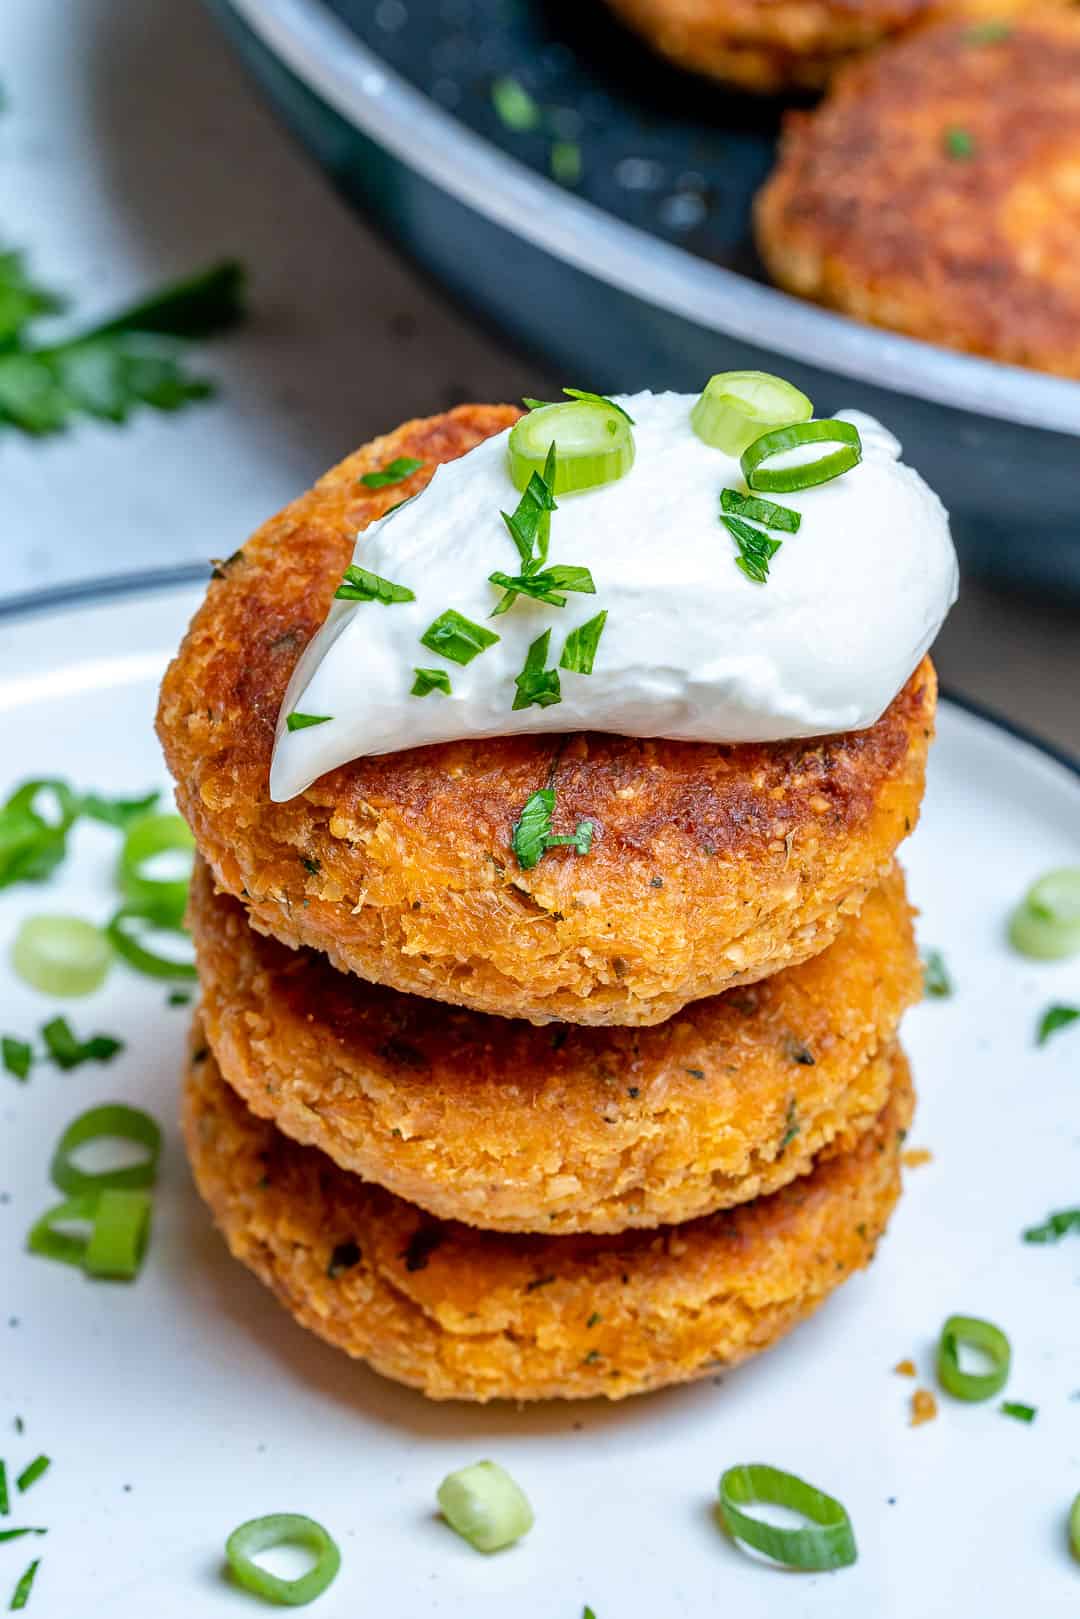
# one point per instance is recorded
(870, 212)
(462, 1314)
(512, 1127)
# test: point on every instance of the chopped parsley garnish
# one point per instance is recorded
(21, 298)
(111, 368)
(1022, 1413)
(455, 637)
(1054, 1227)
(303, 722)
(396, 471)
(546, 585)
(579, 651)
(359, 585)
(936, 980)
(32, 1472)
(18, 1056)
(530, 522)
(959, 143)
(792, 1126)
(761, 511)
(21, 1594)
(429, 680)
(532, 835)
(67, 1052)
(756, 549)
(513, 104)
(535, 684)
(1053, 1019)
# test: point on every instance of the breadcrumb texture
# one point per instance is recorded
(710, 866)
(479, 1315)
(504, 1125)
(775, 45)
(937, 191)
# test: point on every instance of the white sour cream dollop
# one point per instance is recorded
(691, 650)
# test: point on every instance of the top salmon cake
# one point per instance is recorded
(710, 866)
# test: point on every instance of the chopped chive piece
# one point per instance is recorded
(532, 836)
(598, 399)
(119, 1236)
(22, 1591)
(121, 931)
(359, 585)
(959, 143)
(1053, 1019)
(756, 549)
(67, 1052)
(396, 471)
(937, 983)
(530, 523)
(282, 1529)
(760, 511)
(1054, 1227)
(302, 722)
(828, 1540)
(535, 684)
(544, 585)
(114, 1121)
(513, 104)
(1022, 1413)
(579, 648)
(32, 1472)
(484, 1505)
(983, 1337)
(429, 680)
(18, 1057)
(566, 164)
(805, 474)
(455, 637)
(5, 1501)
(17, 1534)
(162, 898)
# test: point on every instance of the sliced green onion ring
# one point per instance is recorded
(152, 836)
(484, 1505)
(61, 955)
(806, 474)
(738, 406)
(120, 1236)
(121, 930)
(989, 1341)
(827, 1542)
(594, 445)
(1046, 924)
(49, 1243)
(282, 1529)
(113, 1121)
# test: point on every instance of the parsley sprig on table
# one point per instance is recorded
(108, 370)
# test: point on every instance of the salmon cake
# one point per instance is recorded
(775, 45)
(937, 191)
(511, 1127)
(710, 866)
(471, 1315)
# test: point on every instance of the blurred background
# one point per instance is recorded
(133, 149)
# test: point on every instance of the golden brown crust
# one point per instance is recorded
(774, 45)
(935, 190)
(470, 1315)
(711, 865)
(516, 1128)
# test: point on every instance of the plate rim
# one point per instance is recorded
(53, 600)
(327, 58)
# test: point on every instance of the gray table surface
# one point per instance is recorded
(131, 149)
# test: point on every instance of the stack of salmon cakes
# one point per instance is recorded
(584, 1128)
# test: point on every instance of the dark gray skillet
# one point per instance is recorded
(643, 272)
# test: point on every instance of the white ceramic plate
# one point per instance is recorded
(177, 1408)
